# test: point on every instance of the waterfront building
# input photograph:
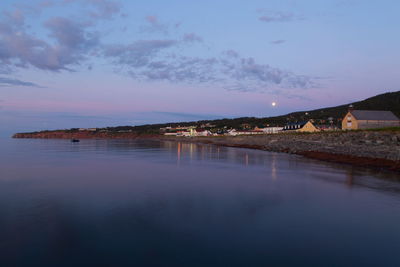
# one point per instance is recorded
(244, 132)
(201, 132)
(171, 134)
(369, 119)
(305, 126)
(272, 130)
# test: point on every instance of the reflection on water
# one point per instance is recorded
(148, 203)
(191, 151)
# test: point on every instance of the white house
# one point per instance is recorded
(272, 130)
(201, 132)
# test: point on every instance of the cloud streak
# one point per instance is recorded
(154, 25)
(272, 17)
(137, 54)
(104, 9)
(192, 38)
(154, 60)
(277, 17)
(6, 82)
(277, 42)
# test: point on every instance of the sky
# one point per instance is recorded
(96, 63)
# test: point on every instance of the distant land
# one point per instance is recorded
(387, 101)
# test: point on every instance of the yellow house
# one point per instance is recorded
(305, 126)
(369, 119)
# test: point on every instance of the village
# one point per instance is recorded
(353, 120)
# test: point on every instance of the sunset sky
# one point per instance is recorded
(94, 63)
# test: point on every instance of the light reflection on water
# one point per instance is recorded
(138, 203)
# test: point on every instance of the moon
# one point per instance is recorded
(273, 104)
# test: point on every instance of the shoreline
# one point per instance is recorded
(374, 163)
(379, 150)
(371, 163)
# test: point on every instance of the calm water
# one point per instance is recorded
(128, 203)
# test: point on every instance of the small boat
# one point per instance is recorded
(75, 140)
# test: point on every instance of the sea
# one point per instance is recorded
(159, 203)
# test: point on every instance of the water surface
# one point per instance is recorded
(148, 203)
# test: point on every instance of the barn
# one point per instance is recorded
(369, 119)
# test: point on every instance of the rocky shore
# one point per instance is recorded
(376, 149)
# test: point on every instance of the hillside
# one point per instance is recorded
(387, 101)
